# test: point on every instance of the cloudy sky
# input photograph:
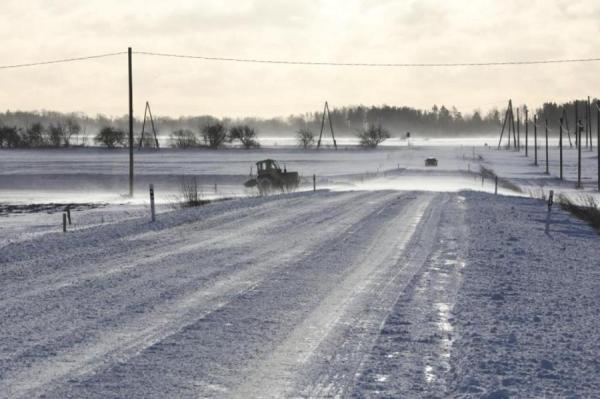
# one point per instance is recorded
(382, 31)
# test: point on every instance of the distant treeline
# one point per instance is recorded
(54, 129)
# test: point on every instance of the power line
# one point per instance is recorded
(369, 64)
(309, 63)
(60, 61)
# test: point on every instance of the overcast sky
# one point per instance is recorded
(311, 30)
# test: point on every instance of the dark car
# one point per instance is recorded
(431, 162)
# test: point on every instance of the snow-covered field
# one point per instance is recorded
(391, 280)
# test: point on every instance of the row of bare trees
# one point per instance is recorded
(212, 135)
(215, 135)
(370, 137)
(58, 134)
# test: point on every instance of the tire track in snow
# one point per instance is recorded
(321, 354)
(191, 237)
(121, 342)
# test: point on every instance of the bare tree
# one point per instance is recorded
(72, 128)
(184, 138)
(214, 135)
(373, 136)
(34, 136)
(245, 134)
(56, 134)
(305, 137)
(110, 137)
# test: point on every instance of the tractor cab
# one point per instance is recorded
(267, 166)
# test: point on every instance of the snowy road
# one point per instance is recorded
(263, 297)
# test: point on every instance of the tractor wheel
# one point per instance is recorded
(264, 186)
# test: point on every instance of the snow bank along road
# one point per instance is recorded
(306, 295)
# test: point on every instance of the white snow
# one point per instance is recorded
(391, 280)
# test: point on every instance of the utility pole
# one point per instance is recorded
(590, 123)
(547, 164)
(578, 134)
(526, 132)
(518, 145)
(535, 160)
(560, 145)
(577, 143)
(130, 123)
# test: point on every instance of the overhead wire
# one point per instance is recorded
(365, 64)
(307, 63)
(60, 61)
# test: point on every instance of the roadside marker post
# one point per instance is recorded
(152, 202)
(314, 182)
(496, 185)
(64, 222)
(550, 202)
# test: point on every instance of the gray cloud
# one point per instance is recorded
(352, 30)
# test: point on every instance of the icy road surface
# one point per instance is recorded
(326, 294)
(262, 297)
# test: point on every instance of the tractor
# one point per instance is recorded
(270, 177)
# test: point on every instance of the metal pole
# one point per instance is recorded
(130, 123)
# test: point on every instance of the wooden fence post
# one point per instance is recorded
(314, 182)
(496, 185)
(152, 210)
(64, 222)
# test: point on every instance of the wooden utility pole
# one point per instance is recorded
(512, 119)
(504, 124)
(566, 126)
(535, 146)
(148, 111)
(598, 139)
(587, 120)
(326, 110)
(518, 145)
(526, 132)
(579, 128)
(560, 146)
(130, 124)
(509, 120)
(590, 122)
(547, 164)
(577, 143)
